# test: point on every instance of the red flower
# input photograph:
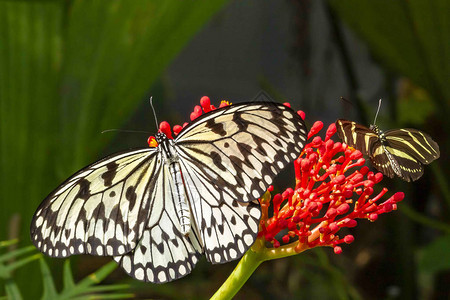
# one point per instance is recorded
(333, 189)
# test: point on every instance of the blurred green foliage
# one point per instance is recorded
(409, 37)
(435, 257)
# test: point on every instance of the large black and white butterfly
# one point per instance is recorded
(401, 152)
(156, 210)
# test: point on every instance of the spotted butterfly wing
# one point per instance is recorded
(156, 210)
(401, 152)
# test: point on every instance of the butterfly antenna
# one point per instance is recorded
(154, 113)
(378, 110)
(125, 130)
(346, 100)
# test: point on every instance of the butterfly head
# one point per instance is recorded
(375, 129)
(158, 139)
(161, 138)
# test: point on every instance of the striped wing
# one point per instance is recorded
(163, 253)
(102, 209)
(228, 158)
(411, 149)
(358, 136)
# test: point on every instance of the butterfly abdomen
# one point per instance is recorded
(171, 159)
(182, 208)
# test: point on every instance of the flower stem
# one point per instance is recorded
(245, 268)
(248, 264)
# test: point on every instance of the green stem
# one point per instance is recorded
(250, 261)
(245, 268)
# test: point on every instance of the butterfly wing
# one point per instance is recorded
(411, 148)
(358, 137)
(383, 161)
(163, 253)
(102, 209)
(228, 158)
(414, 143)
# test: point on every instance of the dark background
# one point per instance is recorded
(70, 69)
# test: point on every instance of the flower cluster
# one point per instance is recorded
(329, 176)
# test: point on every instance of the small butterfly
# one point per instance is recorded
(401, 152)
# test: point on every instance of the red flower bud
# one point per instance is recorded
(164, 127)
(177, 129)
(337, 250)
(301, 114)
(205, 102)
(340, 179)
(317, 126)
(349, 239)
(343, 208)
(373, 217)
(196, 113)
(356, 155)
(399, 196)
(331, 213)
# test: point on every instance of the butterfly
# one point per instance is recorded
(401, 152)
(157, 210)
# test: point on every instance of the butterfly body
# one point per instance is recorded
(157, 210)
(171, 160)
(391, 159)
(401, 152)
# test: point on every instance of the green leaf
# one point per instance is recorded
(16, 253)
(84, 286)
(435, 257)
(67, 275)
(7, 268)
(47, 280)
(12, 291)
(4, 244)
(17, 264)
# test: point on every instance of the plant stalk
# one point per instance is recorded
(245, 268)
